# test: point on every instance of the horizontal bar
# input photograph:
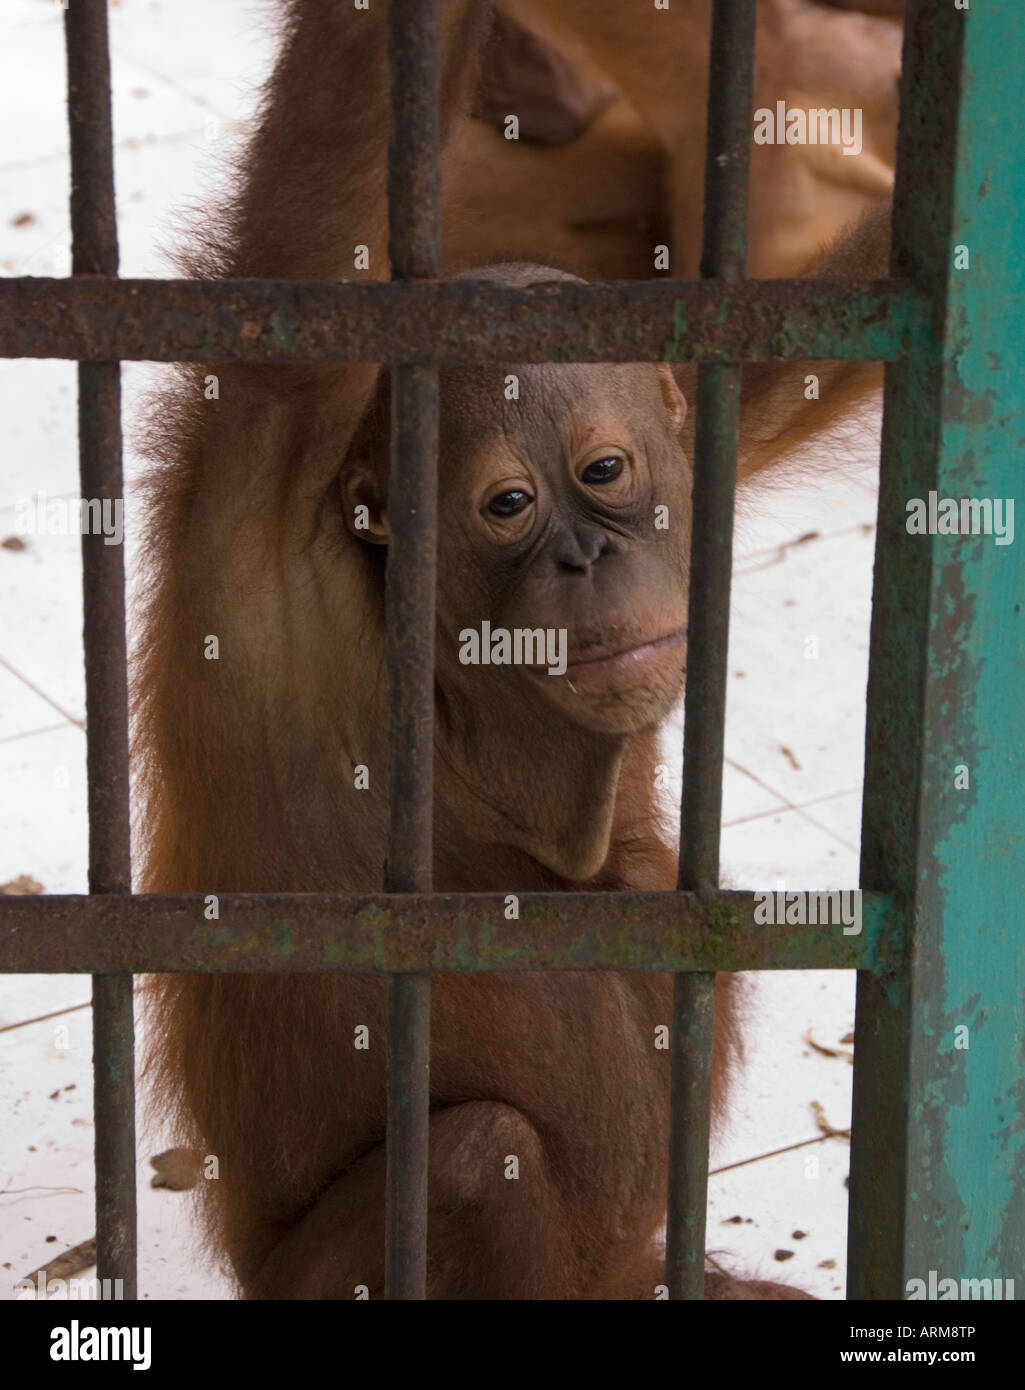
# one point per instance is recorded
(276, 321)
(446, 933)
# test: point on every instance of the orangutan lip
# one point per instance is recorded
(625, 655)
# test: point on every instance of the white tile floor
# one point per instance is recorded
(183, 74)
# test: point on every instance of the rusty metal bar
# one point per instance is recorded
(95, 252)
(414, 169)
(275, 321)
(114, 1119)
(414, 249)
(443, 932)
(724, 250)
(728, 144)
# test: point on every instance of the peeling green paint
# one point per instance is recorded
(938, 1154)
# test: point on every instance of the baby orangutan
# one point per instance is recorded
(564, 506)
(564, 509)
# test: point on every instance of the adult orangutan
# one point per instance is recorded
(610, 102)
(269, 527)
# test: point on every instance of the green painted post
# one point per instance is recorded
(938, 1163)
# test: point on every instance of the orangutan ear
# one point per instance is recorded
(365, 505)
(672, 396)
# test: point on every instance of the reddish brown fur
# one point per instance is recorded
(245, 768)
(801, 196)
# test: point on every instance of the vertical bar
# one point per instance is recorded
(414, 210)
(94, 252)
(923, 194)
(938, 1139)
(724, 253)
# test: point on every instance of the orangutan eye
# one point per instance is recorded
(602, 470)
(509, 503)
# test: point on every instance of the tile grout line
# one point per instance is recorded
(791, 806)
(787, 805)
(79, 723)
(31, 733)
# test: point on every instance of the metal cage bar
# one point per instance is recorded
(723, 257)
(452, 933)
(94, 252)
(268, 321)
(414, 248)
(938, 1149)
